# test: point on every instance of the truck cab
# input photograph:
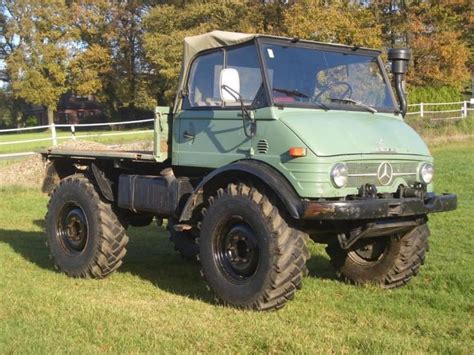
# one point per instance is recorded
(271, 141)
(332, 104)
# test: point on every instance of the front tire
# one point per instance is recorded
(85, 237)
(250, 256)
(389, 261)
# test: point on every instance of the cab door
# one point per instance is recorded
(209, 133)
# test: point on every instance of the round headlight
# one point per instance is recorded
(339, 175)
(427, 173)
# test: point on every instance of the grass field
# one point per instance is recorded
(157, 302)
(444, 130)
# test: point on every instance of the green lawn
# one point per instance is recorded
(64, 135)
(157, 302)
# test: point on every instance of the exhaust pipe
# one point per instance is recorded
(400, 58)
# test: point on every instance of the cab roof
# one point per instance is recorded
(214, 39)
(217, 39)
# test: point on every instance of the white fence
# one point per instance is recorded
(434, 112)
(54, 137)
(441, 111)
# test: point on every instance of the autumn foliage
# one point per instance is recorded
(128, 53)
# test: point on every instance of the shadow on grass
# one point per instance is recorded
(39, 223)
(150, 256)
(30, 245)
(319, 267)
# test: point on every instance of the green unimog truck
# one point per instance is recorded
(271, 142)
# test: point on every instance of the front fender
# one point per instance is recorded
(263, 173)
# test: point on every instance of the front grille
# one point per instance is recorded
(362, 173)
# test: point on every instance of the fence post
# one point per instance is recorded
(53, 135)
(464, 110)
(73, 132)
(421, 110)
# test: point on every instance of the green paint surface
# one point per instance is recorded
(329, 136)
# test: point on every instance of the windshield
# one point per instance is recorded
(325, 79)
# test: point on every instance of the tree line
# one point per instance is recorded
(127, 54)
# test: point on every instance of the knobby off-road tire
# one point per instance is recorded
(184, 242)
(85, 237)
(251, 258)
(386, 261)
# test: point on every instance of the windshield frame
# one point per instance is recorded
(186, 77)
(260, 41)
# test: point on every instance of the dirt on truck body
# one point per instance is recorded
(271, 142)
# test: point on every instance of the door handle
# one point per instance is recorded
(188, 135)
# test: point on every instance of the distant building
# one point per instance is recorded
(71, 109)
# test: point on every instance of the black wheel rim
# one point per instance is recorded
(236, 250)
(369, 252)
(73, 229)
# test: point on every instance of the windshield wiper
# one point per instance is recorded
(354, 102)
(294, 93)
(297, 93)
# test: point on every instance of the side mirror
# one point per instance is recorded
(229, 84)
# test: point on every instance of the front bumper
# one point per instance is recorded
(378, 208)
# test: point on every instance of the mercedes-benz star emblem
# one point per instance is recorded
(385, 173)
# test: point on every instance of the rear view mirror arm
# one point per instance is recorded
(245, 113)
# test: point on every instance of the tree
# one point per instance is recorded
(127, 54)
(269, 16)
(5, 109)
(167, 25)
(464, 9)
(9, 105)
(434, 30)
(37, 66)
(335, 21)
(111, 63)
(440, 54)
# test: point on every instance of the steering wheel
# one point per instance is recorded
(347, 93)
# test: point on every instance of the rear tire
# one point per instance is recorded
(85, 237)
(386, 261)
(250, 257)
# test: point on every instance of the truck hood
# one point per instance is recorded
(348, 132)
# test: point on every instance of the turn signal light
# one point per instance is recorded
(296, 152)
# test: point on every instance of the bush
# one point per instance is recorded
(31, 121)
(416, 95)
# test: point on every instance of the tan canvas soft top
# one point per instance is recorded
(196, 44)
(216, 39)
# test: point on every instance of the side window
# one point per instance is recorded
(245, 61)
(203, 84)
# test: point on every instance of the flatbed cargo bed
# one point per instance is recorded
(103, 154)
